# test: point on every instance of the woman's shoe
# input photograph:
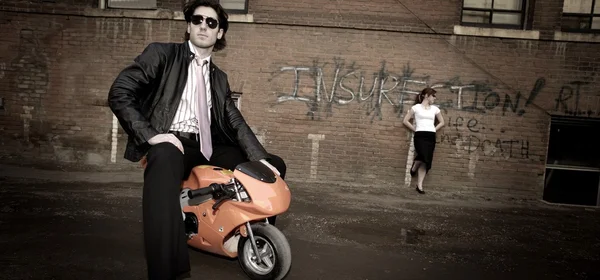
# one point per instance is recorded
(413, 173)
(420, 190)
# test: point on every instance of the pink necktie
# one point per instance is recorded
(202, 116)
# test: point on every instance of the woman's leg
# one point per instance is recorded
(415, 166)
(426, 146)
(422, 173)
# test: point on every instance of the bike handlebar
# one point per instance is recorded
(212, 188)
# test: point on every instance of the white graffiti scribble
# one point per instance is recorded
(459, 93)
(294, 94)
(398, 90)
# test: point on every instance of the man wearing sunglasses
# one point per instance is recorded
(175, 105)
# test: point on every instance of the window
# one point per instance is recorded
(235, 6)
(581, 16)
(131, 4)
(573, 162)
(493, 13)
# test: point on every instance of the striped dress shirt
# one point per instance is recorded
(185, 117)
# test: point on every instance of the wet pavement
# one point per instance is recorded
(86, 225)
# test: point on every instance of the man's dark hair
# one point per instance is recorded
(188, 12)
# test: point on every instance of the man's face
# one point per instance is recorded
(204, 28)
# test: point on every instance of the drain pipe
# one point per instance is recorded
(102, 4)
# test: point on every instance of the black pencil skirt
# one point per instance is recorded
(424, 147)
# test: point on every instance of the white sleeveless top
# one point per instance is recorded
(425, 118)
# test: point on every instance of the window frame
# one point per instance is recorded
(589, 15)
(556, 153)
(522, 12)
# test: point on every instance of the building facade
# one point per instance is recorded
(325, 85)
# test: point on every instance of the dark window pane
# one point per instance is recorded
(476, 17)
(571, 144)
(575, 22)
(571, 187)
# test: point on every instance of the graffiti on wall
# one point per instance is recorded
(571, 102)
(484, 98)
(473, 136)
(469, 133)
(348, 84)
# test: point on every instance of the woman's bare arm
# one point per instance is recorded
(407, 118)
(441, 122)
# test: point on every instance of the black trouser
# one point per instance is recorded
(164, 231)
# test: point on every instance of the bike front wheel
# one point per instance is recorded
(274, 253)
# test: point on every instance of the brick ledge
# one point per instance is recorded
(497, 32)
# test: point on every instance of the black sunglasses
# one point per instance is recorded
(210, 22)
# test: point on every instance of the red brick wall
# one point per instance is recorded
(175, 5)
(410, 16)
(56, 71)
(547, 17)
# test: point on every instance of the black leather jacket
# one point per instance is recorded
(145, 95)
